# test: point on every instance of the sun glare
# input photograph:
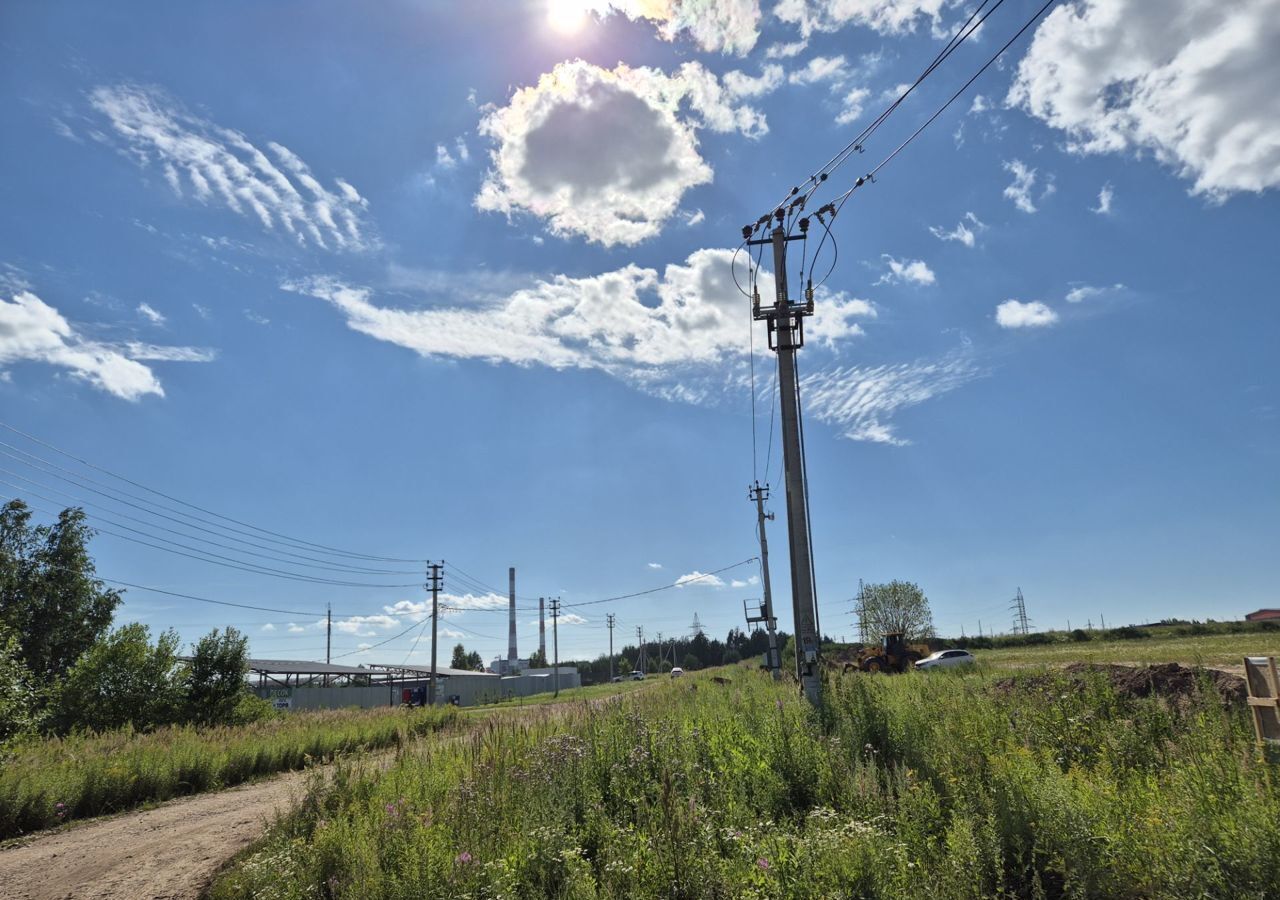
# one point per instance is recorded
(567, 16)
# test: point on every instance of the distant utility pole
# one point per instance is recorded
(860, 608)
(640, 638)
(555, 641)
(760, 495)
(662, 653)
(610, 618)
(1019, 607)
(695, 629)
(786, 335)
(511, 631)
(542, 628)
(328, 637)
(436, 579)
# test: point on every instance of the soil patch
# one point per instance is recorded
(1168, 680)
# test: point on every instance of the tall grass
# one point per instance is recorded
(943, 785)
(46, 782)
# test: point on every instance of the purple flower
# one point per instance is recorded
(763, 863)
(463, 858)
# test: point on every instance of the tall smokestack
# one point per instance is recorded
(542, 627)
(511, 641)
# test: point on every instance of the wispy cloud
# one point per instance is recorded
(655, 565)
(699, 579)
(150, 314)
(1105, 197)
(1024, 182)
(966, 230)
(1086, 292)
(860, 400)
(219, 165)
(915, 271)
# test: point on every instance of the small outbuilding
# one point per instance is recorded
(1262, 615)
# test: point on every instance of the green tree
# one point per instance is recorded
(459, 660)
(122, 679)
(215, 684)
(538, 660)
(49, 595)
(899, 606)
(17, 699)
(691, 662)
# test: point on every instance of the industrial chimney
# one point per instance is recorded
(511, 642)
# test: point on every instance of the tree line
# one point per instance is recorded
(64, 668)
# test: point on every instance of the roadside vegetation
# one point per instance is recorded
(963, 785)
(47, 782)
(1220, 649)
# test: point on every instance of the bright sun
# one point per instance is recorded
(567, 16)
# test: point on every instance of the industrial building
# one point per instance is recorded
(300, 684)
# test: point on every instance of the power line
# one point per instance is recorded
(139, 485)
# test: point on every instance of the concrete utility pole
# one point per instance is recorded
(555, 640)
(640, 638)
(609, 617)
(436, 579)
(759, 495)
(511, 632)
(786, 335)
(542, 628)
(328, 637)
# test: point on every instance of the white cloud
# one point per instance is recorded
(268, 627)
(202, 311)
(572, 619)
(1086, 292)
(256, 318)
(1192, 81)
(606, 155)
(1104, 200)
(853, 105)
(916, 271)
(746, 582)
(219, 165)
(1024, 180)
(697, 217)
(739, 84)
(884, 16)
(785, 51)
(860, 400)
(655, 565)
(141, 352)
(443, 158)
(1033, 314)
(33, 331)
(363, 626)
(151, 315)
(698, 579)
(962, 232)
(820, 68)
(727, 26)
(295, 628)
(979, 105)
(634, 323)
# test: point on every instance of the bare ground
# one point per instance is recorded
(171, 851)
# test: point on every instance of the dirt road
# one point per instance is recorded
(168, 852)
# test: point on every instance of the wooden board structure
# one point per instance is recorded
(1264, 697)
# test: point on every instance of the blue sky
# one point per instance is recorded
(433, 280)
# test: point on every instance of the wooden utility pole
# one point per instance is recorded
(786, 335)
(436, 579)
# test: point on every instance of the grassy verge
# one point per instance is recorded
(47, 782)
(570, 695)
(1204, 650)
(949, 783)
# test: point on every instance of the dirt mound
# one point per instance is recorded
(1169, 680)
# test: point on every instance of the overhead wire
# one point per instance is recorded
(273, 534)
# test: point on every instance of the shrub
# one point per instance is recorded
(1079, 635)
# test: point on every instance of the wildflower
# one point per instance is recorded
(763, 864)
(463, 858)
(778, 703)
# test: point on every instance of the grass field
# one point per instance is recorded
(953, 785)
(44, 783)
(590, 692)
(1205, 650)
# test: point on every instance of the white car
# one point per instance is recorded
(677, 672)
(945, 659)
(637, 675)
